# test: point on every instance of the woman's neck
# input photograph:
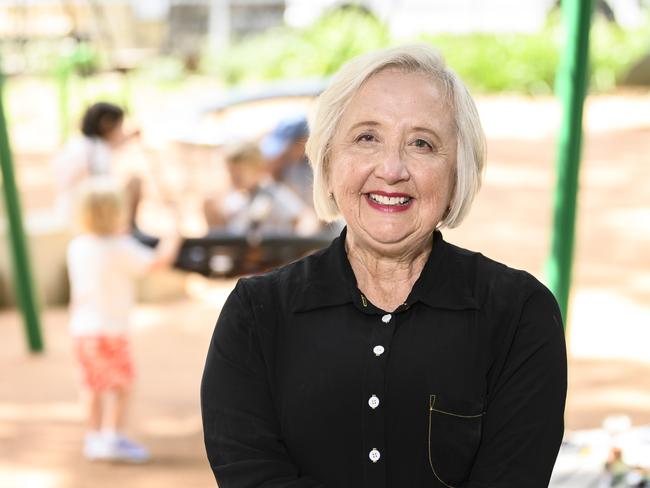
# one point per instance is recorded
(387, 280)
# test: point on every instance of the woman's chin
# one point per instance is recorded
(390, 238)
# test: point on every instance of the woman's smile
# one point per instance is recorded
(389, 201)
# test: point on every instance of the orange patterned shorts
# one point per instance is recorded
(105, 362)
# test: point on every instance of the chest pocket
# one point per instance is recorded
(454, 438)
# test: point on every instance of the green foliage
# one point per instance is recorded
(505, 62)
(48, 57)
(522, 63)
(614, 51)
(163, 71)
(290, 53)
(81, 58)
(527, 63)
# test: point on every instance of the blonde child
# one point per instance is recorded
(103, 264)
(256, 202)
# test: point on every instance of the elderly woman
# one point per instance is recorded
(392, 358)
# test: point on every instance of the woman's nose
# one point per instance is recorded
(392, 166)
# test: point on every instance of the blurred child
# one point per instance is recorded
(257, 203)
(89, 154)
(103, 264)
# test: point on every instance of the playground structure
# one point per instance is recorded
(196, 140)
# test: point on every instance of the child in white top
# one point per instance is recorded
(257, 202)
(103, 264)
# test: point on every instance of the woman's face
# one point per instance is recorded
(393, 160)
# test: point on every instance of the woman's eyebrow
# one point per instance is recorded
(428, 131)
(374, 123)
(366, 123)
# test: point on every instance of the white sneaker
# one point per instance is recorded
(96, 447)
(122, 448)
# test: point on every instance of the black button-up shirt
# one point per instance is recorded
(308, 384)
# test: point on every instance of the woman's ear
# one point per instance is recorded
(452, 196)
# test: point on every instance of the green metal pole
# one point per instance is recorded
(571, 85)
(18, 243)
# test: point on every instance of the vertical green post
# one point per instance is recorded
(18, 243)
(571, 85)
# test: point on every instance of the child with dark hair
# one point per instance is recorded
(89, 154)
(101, 119)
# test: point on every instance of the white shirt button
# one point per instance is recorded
(373, 401)
(378, 350)
(374, 455)
(386, 318)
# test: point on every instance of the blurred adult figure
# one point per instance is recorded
(284, 150)
(392, 358)
(90, 154)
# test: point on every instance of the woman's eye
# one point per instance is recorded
(422, 143)
(365, 138)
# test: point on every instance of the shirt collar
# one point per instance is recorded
(330, 279)
(445, 281)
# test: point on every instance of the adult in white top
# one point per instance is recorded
(284, 151)
(88, 154)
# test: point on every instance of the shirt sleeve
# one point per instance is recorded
(240, 425)
(137, 257)
(70, 165)
(524, 421)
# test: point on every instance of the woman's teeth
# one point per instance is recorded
(384, 200)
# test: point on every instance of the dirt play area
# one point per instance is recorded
(609, 327)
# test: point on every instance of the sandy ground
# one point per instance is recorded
(609, 327)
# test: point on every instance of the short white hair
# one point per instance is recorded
(411, 58)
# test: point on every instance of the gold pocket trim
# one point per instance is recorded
(432, 402)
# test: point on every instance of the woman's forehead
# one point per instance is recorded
(395, 95)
